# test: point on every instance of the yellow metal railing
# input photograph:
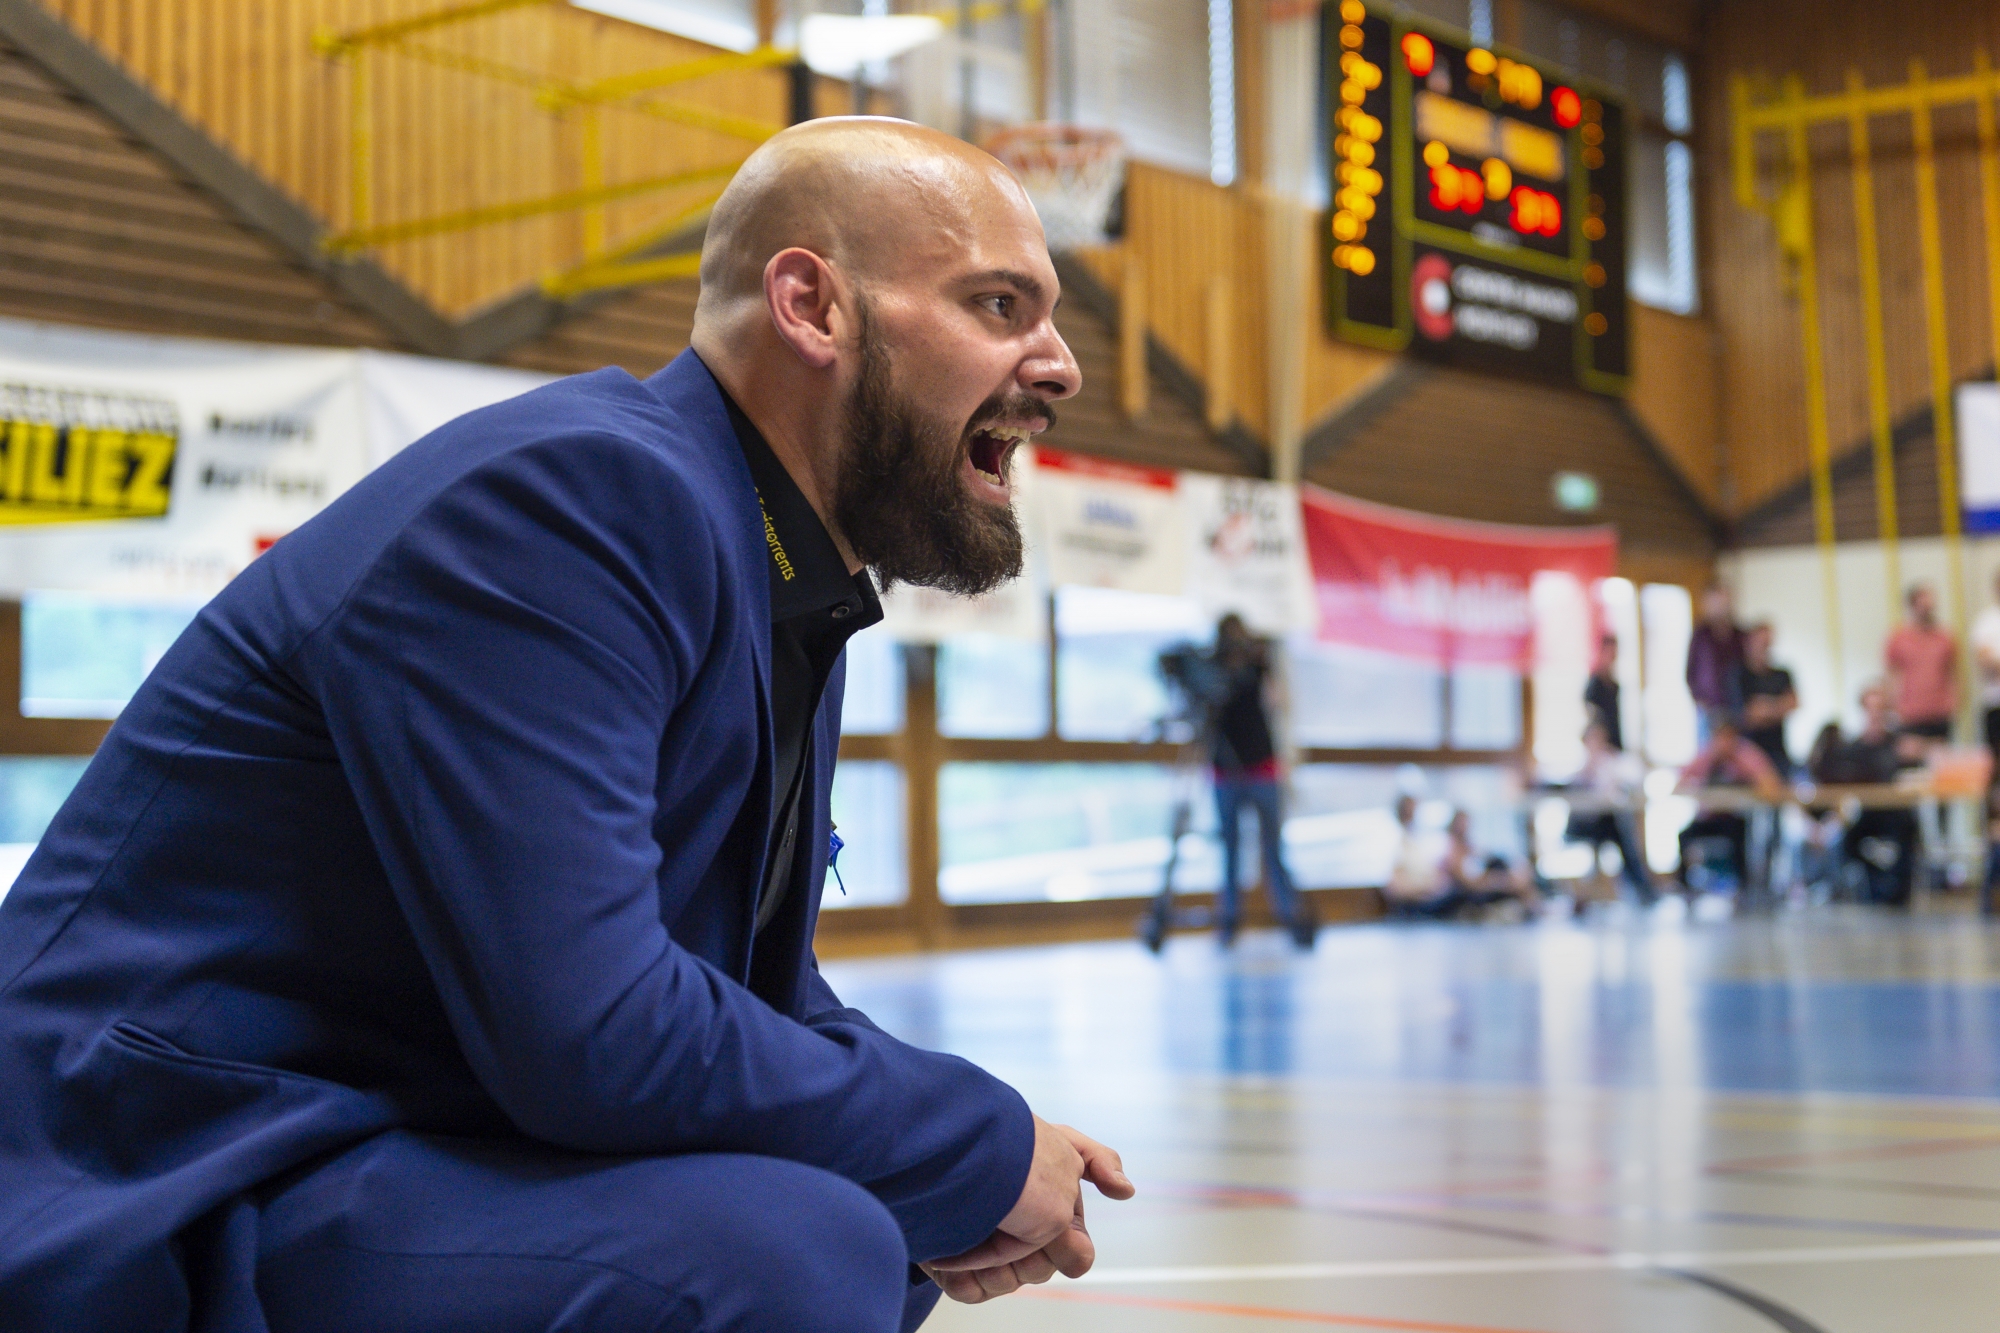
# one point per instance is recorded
(602, 266)
(1790, 113)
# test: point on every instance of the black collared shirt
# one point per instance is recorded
(816, 607)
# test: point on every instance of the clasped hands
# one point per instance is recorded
(1044, 1234)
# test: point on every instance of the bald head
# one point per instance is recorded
(869, 195)
(878, 299)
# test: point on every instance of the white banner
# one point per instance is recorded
(1979, 456)
(1110, 525)
(1246, 552)
(159, 467)
(404, 398)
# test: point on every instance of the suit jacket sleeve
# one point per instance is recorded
(497, 687)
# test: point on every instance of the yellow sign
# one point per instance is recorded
(1478, 133)
(79, 456)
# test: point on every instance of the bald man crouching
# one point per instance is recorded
(429, 945)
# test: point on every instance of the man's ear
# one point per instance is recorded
(799, 289)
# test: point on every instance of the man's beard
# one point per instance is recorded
(902, 502)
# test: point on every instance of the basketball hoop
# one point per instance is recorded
(1071, 173)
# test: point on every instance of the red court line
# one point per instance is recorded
(1266, 1312)
(1880, 1152)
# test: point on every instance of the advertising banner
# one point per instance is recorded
(1443, 590)
(159, 467)
(1110, 525)
(1246, 552)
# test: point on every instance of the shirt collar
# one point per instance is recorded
(807, 571)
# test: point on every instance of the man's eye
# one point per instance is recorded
(999, 305)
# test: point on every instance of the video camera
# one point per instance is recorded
(1195, 679)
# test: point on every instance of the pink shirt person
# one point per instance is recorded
(1922, 658)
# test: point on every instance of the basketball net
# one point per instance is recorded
(1072, 174)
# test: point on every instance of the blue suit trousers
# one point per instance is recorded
(431, 1234)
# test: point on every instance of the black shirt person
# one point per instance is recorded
(1600, 695)
(1768, 697)
(1245, 763)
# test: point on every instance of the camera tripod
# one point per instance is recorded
(1161, 913)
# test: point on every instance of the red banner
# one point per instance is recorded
(1442, 589)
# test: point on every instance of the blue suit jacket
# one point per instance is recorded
(447, 814)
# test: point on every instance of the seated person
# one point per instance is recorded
(1417, 876)
(1438, 877)
(1482, 879)
(1881, 842)
(429, 945)
(1727, 761)
(1605, 794)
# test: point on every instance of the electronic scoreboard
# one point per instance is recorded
(1478, 211)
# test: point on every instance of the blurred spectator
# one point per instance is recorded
(1922, 662)
(1986, 652)
(1882, 842)
(1768, 698)
(1715, 654)
(1728, 760)
(1246, 772)
(1438, 879)
(1600, 696)
(1608, 791)
(1417, 875)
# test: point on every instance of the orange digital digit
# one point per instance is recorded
(1418, 53)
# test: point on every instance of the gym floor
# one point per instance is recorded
(1628, 1125)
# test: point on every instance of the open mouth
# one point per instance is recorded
(992, 446)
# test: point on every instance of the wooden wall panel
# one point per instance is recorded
(1187, 232)
(1786, 518)
(1674, 392)
(1763, 418)
(445, 139)
(1480, 447)
(96, 229)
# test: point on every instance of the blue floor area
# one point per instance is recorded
(1627, 1006)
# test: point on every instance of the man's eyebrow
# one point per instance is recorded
(1027, 284)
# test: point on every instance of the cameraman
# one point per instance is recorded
(1245, 765)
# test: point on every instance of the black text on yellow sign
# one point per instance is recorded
(52, 473)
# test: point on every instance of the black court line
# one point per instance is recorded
(1788, 1319)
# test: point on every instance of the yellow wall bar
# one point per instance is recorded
(1940, 355)
(1879, 428)
(1873, 101)
(360, 143)
(338, 43)
(1989, 187)
(526, 208)
(1742, 144)
(1816, 428)
(634, 274)
(592, 128)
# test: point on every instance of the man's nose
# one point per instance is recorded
(1051, 372)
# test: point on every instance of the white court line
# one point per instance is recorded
(1548, 1263)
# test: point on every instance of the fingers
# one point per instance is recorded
(1036, 1268)
(972, 1287)
(961, 1287)
(998, 1248)
(1102, 1166)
